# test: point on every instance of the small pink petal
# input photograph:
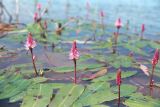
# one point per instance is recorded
(39, 6)
(30, 43)
(101, 13)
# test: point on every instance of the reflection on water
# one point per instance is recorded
(136, 11)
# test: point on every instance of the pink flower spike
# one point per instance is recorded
(74, 54)
(39, 6)
(87, 5)
(142, 28)
(102, 13)
(118, 78)
(155, 57)
(118, 23)
(30, 43)
(35, 16)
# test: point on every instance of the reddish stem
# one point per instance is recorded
(119, 95)
(141, 35)
(151, 77)
(115, 42)
(102, 23)
(34, 66)
(75, 77)
(151, 80)
(118, 31)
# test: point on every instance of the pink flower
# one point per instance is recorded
(87, 5)
(143, 28)
(74, 54)
(118, 79)
(35, 16)
(39, 6)
(45, 24)
(30, 43)
(101, 13)
(118, 23)
(155, 57)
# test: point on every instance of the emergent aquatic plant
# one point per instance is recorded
(142, 30)
(154, 63)
(74, 55)
(115, 42)
(118, 82)
(30, 44)
(118, 24)
(102, 17)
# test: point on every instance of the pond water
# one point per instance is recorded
(137, 12)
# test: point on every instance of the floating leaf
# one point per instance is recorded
(138, 100)
(79, 67)
(99, 106)
(11, 85)
(67, 95)
(18, 97)
(38, 96)
(126, 89)
(95, 93)
(112, 76)
(135, 49)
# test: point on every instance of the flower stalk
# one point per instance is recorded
(118, 82)
(74, 55)
(154, 63)
(30, 44)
